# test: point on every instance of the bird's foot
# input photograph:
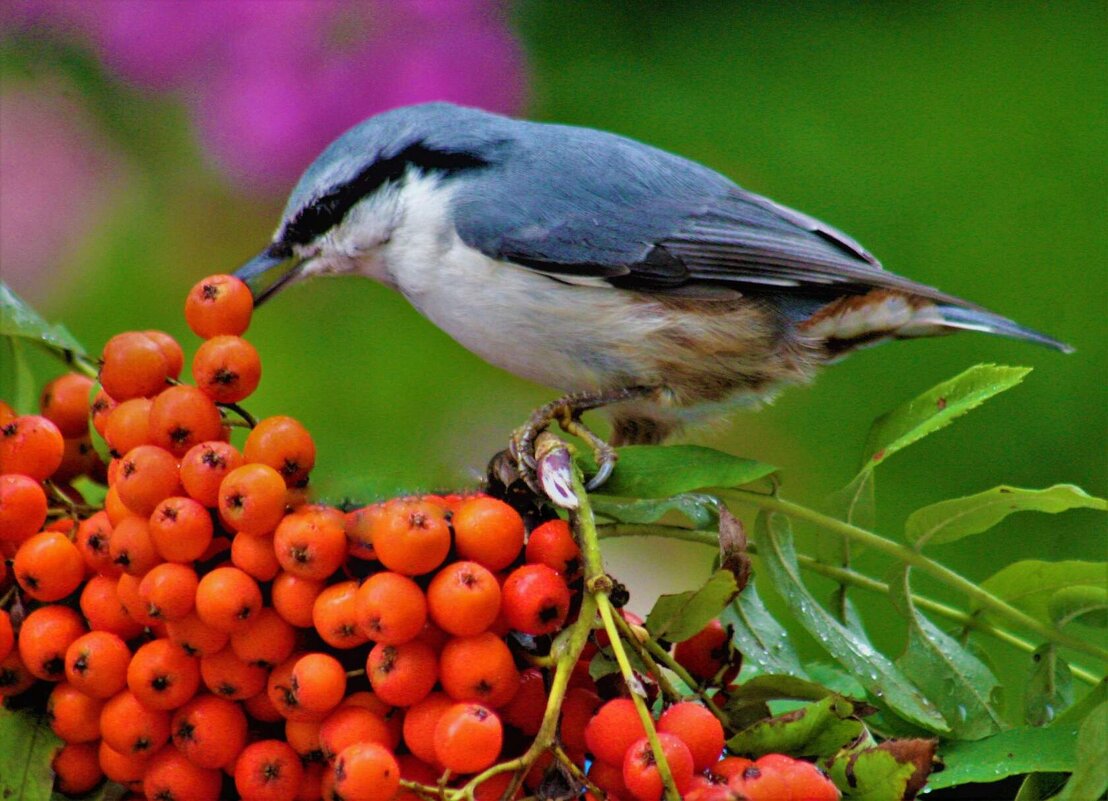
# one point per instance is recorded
(566, 412)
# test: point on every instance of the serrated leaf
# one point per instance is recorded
(895, 770)
(27, 746)
(1030, 584)
(1090, 776)
(873, 670)
(699, 509)
(936, 409)
(948, 521)
(763, 642)
(1049, 687)
(653, 471)
(1082, 603)
(681, 615)
(816, 729)
(1008, 753)
(19, 320)
(956, 681)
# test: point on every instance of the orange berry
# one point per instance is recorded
(479, 668)
(420, 722)
(92, 539)
(172, 776)
(468, 738)
(162, 676)
(195, 637)
(22, 507)
(294, 597)
(7, 634)
(127, 592)
(130, 727)
(311, 542)
(252, 499)
(614, 730)
(464, 598)
(96, 663)
(303, 736)
(180, 529)
(254, 555)
(526, 709)
(411, 537)
(227, 599)
(268, 770)
(640, 770)
(174, 356)
(705, 653)
(210, 731)
(320, 682)
(536, 600)
(65, 401)
(283, 444)
(102, 405)
(77, 768)
(578, 709)
(230, 677)
(73, 715)
(353, 724)
(44, 637)
(102, 607)
(402, 675)
(488, 531)
(390, 608)
(126, 769)
(131, 548)
(181, 417)
(128, 425)
(169, 591)
(14, 676)
(31, 445)
(698, 728)
(205, 466)
(147, 476)
(266, 641)
(335, 617)
(552, 544)
(48, 566)
(366, 772)
(359, 530)
(134, 366)
(219, 304)
(227, 369)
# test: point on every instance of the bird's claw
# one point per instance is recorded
(606, 458)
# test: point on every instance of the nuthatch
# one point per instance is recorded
(611, 270)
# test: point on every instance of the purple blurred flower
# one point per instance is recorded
(271, 82)
(59, 178)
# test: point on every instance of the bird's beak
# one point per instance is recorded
(269, 272)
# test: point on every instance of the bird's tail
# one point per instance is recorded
(961, 318)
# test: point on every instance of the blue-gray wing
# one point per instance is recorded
(643, 219)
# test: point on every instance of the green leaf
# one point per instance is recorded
(952, 520)
(957, 682)
(872, 670)
(27, 746)
(1030, 584)
(652, 471)
(19, 320)
(1074, 715)
(701, 510)
(1082, 603)
(1009, 753)
(678, 617)
(816, 729)
(1090, 776)
(937, 408)
(1049, 687)
(1040, 786)
(748, 702)
(23, 393)
(894, 770)
(763, 642)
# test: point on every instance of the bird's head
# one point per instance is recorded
(350, 200)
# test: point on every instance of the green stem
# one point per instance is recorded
(666, 658)
(843, 576)
(986, 600)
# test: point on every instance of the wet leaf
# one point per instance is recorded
(816, 729)
(948, 521)
(1083, 603)
(1029, 585)
(27, 746)
(679, 616)
(652, 471)
(699, 509)
(1009, 753)
(937, 408)
(763, 642)
(896, 769)
(874, 671)
(18, 320)
(956, 681)
(1090, 776)
(1049, 687)
(1041, 786)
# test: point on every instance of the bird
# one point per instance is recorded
(621, 274)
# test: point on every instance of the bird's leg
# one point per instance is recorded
(567, 411)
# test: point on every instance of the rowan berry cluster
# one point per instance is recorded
(209, 633)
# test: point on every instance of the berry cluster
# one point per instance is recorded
(209, 633)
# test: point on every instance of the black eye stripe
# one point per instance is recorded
(328, 210)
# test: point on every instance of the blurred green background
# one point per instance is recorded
(963, 143)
